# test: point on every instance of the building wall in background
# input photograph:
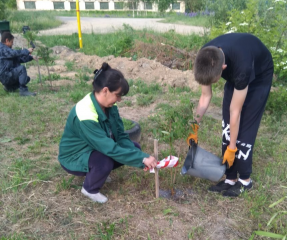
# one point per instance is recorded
(93, 5)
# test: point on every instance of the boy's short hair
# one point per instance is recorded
(208, 65)
(6, 35)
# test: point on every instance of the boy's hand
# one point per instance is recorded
(193, 135)
(36, 58)
(229, 156)
(30, 50)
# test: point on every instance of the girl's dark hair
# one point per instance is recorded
(110, 78)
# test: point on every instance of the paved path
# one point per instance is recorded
(105, 25)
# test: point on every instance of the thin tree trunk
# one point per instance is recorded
(49, 76)
(40, 78)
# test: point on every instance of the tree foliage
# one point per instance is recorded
(194, 5)
(12, 4)
(4, 5)
(2, 10)
(163, 5)
(222, 7)
(267, 23)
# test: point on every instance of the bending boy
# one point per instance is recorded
(247, 66)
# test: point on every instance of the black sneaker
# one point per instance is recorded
(219, 187)
(237, 189)
(26, 93)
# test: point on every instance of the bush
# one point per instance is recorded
(268, 24)
(276, 103)
(222, 7)
(2, 10)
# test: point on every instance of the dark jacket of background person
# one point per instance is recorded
(9, 59)
(88, 129)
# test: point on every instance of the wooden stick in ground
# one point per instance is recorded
(156, 170)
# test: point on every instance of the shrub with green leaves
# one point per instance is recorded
(128, 124)
(276, 103)
(268, 23)
(30, 36)
(2, 10)
(45, 53)
(222, 7)
(173, 119)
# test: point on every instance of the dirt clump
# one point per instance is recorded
(144, 69)
(167, 55)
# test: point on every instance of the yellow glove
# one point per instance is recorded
(193, 135)
(229, 156)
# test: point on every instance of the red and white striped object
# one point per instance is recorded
(168, 162)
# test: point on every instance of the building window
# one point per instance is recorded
(59, 5)
(133, 5)
(176, 6)
(30, 5)
(119, 5)
(89, 5)
(72, 5)
(148, 5)
(104, 5)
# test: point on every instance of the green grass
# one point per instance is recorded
(202, 21)
(41, 20)
(36, 20)
(128, 124)
(112, 14)
(70, 65)
(120, 43)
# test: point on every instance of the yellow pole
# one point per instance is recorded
(79, 24)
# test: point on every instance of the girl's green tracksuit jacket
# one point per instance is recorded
(89, 129)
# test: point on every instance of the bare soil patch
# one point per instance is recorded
(144, 69)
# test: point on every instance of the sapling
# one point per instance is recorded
(31, 36)
(45, 53)
(172, 171)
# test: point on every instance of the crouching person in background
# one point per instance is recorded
(94, 142)
(13, 75)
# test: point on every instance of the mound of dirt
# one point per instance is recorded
(144, 69)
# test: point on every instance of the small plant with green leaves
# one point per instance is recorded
(107, 232)
(45, 54)
(276, 215)
(128, 124)
(172, 171)
(30, 36)
(128, 103)
(276, 104)
(145, 100)
(82, 76)
(70, 65)
(64, 184)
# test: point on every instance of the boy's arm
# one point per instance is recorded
(237, 102)
(206, 95)
(11, 53)
(25, 59)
